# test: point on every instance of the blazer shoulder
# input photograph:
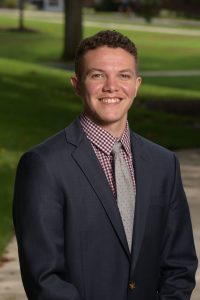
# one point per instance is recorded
(51, 145)
(48, 152)
(55, 149)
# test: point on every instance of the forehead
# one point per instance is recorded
(108, 58)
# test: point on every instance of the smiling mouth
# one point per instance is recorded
(110, 100)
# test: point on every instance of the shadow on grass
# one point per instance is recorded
(177, 107)
(18, 30)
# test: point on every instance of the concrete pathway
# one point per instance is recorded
(190, 170)
(10, 281)
(144, 28)
(170, 73)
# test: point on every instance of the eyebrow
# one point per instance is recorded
(126, 70)
(94, 70)
(103, 71)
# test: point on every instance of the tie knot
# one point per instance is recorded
(116, 148)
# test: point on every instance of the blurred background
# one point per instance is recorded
(38, 39)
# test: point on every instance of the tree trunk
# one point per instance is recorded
(72, 28)
(21, 15)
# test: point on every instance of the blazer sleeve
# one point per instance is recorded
(38, 222)
(178, 257)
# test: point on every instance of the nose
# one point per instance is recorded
(110, 85)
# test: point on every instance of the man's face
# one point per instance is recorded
(108, 85)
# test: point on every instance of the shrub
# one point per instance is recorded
(9, 3)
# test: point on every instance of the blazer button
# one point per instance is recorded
(131, 285)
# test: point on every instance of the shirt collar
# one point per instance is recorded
(103, 139)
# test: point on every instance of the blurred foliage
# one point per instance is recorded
(8, 3)
(106, 5)
(152, 8)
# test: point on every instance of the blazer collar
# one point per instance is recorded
(143, 167)
(85, 157)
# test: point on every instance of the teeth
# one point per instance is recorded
(110, 100)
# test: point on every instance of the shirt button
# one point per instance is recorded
(131, 285)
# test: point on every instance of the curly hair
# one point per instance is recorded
(109, 38)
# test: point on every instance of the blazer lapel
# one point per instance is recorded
(85, 157)
(143, 171)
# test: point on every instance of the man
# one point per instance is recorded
(100, 212)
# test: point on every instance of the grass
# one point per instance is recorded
(157, 51)
(37, 100)
(164, 51)
(171, 88)
(35, 103)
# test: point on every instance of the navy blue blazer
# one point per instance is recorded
(71, 240)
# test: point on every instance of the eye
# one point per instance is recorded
(96, 75)
(125, 76)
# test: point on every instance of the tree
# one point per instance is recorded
(106, 5)
(149, 8)
(72, 28)
(21, 15)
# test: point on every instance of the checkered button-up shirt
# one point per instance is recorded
(102, 143)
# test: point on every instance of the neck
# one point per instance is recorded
(114, 129)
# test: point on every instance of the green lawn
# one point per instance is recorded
(37, 100)
(121, 18)
(157, 51)
(171, 88)
(35, 103)
(164, 51)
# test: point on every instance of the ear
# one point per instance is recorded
(76, 84)
(138, 82)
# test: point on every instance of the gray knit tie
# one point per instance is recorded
(125, 192)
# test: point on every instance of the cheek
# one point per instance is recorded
(130, 90)
(92, 90)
